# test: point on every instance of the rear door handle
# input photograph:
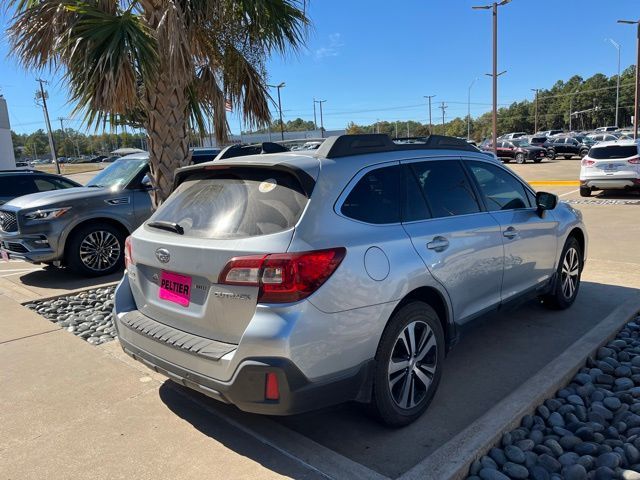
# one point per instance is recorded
(438, 244)
(510, 232)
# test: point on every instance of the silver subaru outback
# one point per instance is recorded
(291, 281)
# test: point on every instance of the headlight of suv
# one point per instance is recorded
(47, 214)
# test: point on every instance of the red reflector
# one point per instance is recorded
(271, 389)
(587, 163)
(634, 161)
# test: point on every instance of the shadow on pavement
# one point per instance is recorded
(495, 356)
(177, 399)
(52, 278)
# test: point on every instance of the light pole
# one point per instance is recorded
(279, 86)
(321, 120)
(495, 74)
(535, 121)
(469, 108)
(42, 95)
(635, 106)
(429, 97)
(617, 46)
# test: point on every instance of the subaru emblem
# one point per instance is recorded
(162, 254)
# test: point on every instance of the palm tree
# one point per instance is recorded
(169, 65)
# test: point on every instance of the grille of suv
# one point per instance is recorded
(8, 221)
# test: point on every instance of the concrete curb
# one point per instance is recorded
(71, 292)
(452, 460)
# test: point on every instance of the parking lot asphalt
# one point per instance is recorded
(495, 356)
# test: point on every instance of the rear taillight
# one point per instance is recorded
(283, 277)
(587, 163)
(634, 161)
(128, 255)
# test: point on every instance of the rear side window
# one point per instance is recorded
(235, 204)
(445, 186)
(376, 197)
(613, 151)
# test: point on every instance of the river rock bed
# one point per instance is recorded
(88, 315)
(589, 431)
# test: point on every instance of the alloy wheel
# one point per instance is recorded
(570, 274)
(412, 365)
(100, 250)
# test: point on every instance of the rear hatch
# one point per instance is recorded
(216, 214)
(612, 161)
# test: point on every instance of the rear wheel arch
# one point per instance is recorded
(436, 300)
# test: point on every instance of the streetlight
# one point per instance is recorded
(535, 122)
(495, 74)
(469, 108)
(635, 106)
(429, 97)
(279, 86)
(617, 46)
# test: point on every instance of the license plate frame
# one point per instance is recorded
(175, 288)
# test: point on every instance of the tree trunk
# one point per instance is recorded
(168, 134)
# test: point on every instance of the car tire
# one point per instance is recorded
(520, 158)
(96, 250)
(551, 154)
(585, 192)
(583, 153)
(567, 282)
(400, 397)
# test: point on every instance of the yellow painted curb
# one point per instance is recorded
(558, 183)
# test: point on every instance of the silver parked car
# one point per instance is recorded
(290, 281)
(82, 227)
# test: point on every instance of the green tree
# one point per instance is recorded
(166, 64)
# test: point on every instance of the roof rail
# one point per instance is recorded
(348, 145)
(19, 170)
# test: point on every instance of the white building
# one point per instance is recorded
(7, 159)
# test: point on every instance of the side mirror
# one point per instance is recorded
(546, 201)
(146, 184)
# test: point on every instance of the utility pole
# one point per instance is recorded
(60, 119)
(52, 144)
(617, 46)
(396, 129)
(278, 87)
(635, 107)
(408, 136)
(443, 107)
(494, 74)
(320, 102)
(429, 97)
(315, 123)
(469, 108)
(535, 123)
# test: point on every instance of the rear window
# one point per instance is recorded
(240, 204)
(613, 151)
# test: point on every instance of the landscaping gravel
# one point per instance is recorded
(87, 315)
(589, 431)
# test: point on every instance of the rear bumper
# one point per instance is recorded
(610, 183)
(247, 388)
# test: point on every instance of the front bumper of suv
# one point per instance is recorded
(35, 242)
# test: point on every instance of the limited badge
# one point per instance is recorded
(268, 185)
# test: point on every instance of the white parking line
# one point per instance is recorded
(569, 193)
(17, 272)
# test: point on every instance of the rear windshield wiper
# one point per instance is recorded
(169, 226)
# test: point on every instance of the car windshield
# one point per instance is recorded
(521, 143)
(119, 173)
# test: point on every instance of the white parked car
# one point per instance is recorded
(611, 166)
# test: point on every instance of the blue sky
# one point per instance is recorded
(376, 59)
